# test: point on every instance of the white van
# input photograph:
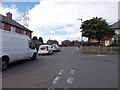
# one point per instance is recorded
(14, 47)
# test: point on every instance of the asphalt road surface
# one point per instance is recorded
(65, 69)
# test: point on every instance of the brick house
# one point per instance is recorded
(116, 26)
(8, 24)
(50, 42)
(66, 42)
(116, 37)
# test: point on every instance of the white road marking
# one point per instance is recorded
(100, 55)
(61, 71)
(55, 81)
(65, 88)
(50, 89)
(72, 72)
(70, 80)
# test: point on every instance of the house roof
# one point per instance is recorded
(116, 25)
(13, 22)
(52, 40)
(66, 41)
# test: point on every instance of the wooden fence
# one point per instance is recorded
(99, 50)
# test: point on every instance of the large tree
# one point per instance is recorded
(97, 28)
(35, 38)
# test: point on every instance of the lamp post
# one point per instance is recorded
(81, 34)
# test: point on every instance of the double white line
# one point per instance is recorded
(69, 80)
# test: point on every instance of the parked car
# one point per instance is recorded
(45, 49)
(15, 47)
(55, 47)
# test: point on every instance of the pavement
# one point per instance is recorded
(66, 69)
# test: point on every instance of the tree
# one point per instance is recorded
(73, 43)
(97, 28)
(34, 38)
(40, 39)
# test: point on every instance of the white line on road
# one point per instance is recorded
(61, 71)
(100, 55)
(50, 89)
(55, 81)
(72, 72)
(70, 80)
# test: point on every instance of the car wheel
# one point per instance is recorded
(49, 53)
(4, 64)
(52, 52)
(59, 50)
(34, 56)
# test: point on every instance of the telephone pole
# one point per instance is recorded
(25, 19)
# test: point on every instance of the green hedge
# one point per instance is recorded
(116, 44)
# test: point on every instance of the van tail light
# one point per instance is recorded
(39, 49)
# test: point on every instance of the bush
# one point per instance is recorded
(116, 44)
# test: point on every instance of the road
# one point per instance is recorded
(65, 69)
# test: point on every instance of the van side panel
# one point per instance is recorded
(15, 45)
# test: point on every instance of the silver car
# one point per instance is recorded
(55, 47)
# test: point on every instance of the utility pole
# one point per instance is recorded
(25, 19)
(81, 33)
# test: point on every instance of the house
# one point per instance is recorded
(116, 26)
(37, 43)
(66, 43)
(116, 37)
(75, 43)
(50, 42)
(8, 24)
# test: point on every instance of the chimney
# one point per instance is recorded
(9, 15)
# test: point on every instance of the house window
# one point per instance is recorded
(13, 29)
(24, 32)
(115, 39)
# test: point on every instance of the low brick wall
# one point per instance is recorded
(99, 50)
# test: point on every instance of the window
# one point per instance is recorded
(13, 29)
(24, 32)
(115, 39)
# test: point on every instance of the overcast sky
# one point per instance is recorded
(57, 19)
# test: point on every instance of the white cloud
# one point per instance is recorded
(20, 0)
(51, 14)
(16, 14)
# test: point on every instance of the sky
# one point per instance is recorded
(58, 19)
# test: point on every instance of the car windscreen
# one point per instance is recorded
(43, 47)
(54, 46)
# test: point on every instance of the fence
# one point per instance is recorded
(99, 50)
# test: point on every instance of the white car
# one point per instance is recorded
(55, 47)
(45, 49)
